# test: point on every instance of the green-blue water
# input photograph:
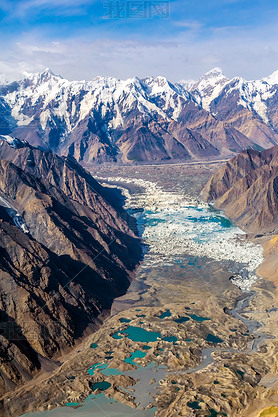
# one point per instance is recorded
(167, 313)
(198, 318)
(103, 368)
(170, 339)
(137, 334)
(194, 404)
(214, 339)
(103, 386)
(146, 347)
(137, 354)
(182, 319)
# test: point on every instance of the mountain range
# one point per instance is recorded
(141, 120)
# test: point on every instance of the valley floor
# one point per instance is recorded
(196, 334)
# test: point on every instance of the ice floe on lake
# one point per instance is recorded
(176, 225)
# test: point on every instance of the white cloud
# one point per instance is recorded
(237, 51)
(188, 24)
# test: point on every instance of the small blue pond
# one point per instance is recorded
(214, 339)
(182, 319)
(194, 404)
(137, 334)
(170, 339)
(103, 386)
(198, 318)
(165, 314)
(123, 320)
(136, 354)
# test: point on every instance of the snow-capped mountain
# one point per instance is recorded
(208, 87)
(152, 119)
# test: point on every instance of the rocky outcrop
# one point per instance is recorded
(67, 250)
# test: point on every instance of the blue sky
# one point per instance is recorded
(80, 40)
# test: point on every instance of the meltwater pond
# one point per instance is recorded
(137, 334)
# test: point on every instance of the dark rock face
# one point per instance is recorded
(67, 250)
(246, 188)
(147, 120)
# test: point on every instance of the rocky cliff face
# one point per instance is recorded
(246, 188)
(141, 120)
(67, 250)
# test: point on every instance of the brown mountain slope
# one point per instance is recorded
(56, 279)
(63, 173)
(246, 188)
(139, 141)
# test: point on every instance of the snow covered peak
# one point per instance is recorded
(211, 78)
(47, 74)
(160, 81)
(209, 86)
(214, 73)
(47, 71)
(272, 79)
(40, 78)
(156, 85)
